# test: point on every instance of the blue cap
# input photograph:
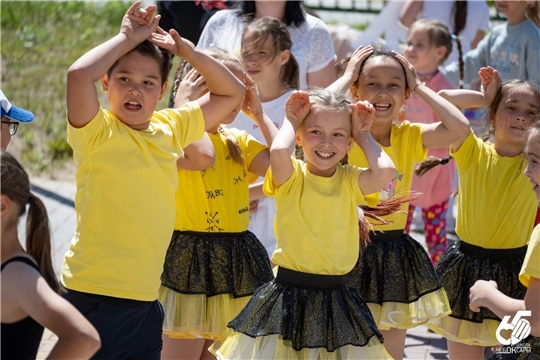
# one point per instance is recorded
(13, 112)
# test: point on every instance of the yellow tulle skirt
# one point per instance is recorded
(234, 345)
(467, 332)
(405, 316)
(198, 316)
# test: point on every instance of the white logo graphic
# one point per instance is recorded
(521, 328)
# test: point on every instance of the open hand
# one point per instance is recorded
(172, 41)
(410, 72)
(252, 106)
(491, 82)
(480, 291)
(298, 106)
(357, 59)
(362, 116)
(139, 23)
(192, 87)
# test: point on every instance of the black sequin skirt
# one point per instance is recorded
(306, 311)
(216, 263)
(396, 278)
(459, 268)
(207, 280)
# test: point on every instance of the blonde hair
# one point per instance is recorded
(232, 64)
(533, 12)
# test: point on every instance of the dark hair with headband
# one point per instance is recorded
(16, 186)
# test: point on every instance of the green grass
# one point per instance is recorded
(39, 41)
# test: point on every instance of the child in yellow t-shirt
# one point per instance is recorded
(214, 263)
(308, 311)
(394, 274)
(127, 178)
(484, 293)
(496, 211)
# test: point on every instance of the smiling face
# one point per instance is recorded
(261, 60)
(382, 82)
(532, 153)
(516, 112)
(325, 136)
(134, 87)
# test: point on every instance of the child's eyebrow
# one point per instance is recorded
(531, 154)
(122, 72)
(533, 105)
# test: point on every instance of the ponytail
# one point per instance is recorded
(460, 16)
(429, 164)
(232, 144)
(290, 73)
(16, 186)
(38, 240)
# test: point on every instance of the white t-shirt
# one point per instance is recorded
(261, 222)
(312, 44)
(477, 20)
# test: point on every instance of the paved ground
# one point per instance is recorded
(58, 197)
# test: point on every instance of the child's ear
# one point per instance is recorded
(6, 204)
(285, 56)
(298, 140)
(105, 83)
(441, 51)
(163, 89)
(407, 95)
(354, 92)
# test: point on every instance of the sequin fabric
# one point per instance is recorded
(216, 263)
(458, 273)
(394, 268)
(308, 318)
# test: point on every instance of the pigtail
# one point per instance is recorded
(38, 240)
(181, 71)
(533, 13)
(460, 59)
(386, 207)
(429, 164)
(232, 144)
(290, 73)
(460, 16)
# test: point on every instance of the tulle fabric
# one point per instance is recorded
(235, 345)
(198, 316)
(466, 332)
(405, 316)
(396, 278)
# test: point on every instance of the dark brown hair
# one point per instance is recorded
(533, 13)
(264, 28)
(162, 57)
(16, 186)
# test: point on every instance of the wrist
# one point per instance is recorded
(416, 87)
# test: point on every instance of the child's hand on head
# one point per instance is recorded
(491, 82)
(252, 106)
(298, 106)
(362, 116)
(410, 73)
(190, 88)
(479, 292)
(172, 41)
(139, 23)
(357, 59)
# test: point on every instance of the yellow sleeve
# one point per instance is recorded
(531, 264)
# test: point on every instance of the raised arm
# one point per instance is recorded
(77, 338)
(253, 109)
(352, 72)
(82, 100)
(453, 126)
(381, 168)
(409, 12)
(226, 91)
(296, 110)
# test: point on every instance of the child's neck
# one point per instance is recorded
(10, 246)
(426, 74)
(381, 132)
(271, 91)
(506, 149)
(515, 19)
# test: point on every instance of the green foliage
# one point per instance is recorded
(39, 41)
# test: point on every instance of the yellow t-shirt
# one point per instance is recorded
(531, 264)
(405, 150)
(126, 181)
(316, 223)
(217, 199)
(496, 203)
